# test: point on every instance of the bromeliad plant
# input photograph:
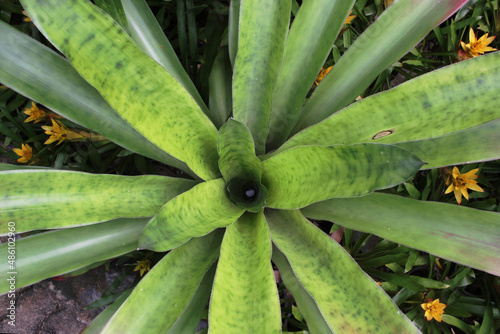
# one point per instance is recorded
(279, 159)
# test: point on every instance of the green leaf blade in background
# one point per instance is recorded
(244, 294)
(305, 175)
(42, 199)
(464, 95)
(237, 152)
(310, 40)
(39, 73)
(57, 252)
(170, 284)
(351, 302)
(316, 324)
(220, 87)
(96, 46)
(263, 26)
(463, 235)
(391, 36)
(194, 213)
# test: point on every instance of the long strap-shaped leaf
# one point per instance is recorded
(46, 199)
(148, 35)
(310, 40)
(165, 292)
(37, 72)
(460, 234)
(316, 324)
(351, 302)
(395, 32)
(54, 253)
(191, 214)
(263, 26)
(429, 106)
(310, 174)
(136, 86)
(480, 143)
(244, 295)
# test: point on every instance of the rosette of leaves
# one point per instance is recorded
(279, 159)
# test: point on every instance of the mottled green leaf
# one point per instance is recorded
(310, 40)
(351, 302)
(316, 324)
(100, 321)
(57, 252)
(164, 293)
(194, 213)
(149, 36)
(39, 73)
(451, 99)
(263, 26)
(308, 174)
(392, 35)
(244, 295)
(45, 199)
(189, 320)
(480, 143)
(234, 20)
(135, 85)
(463, 235)
(237, 152)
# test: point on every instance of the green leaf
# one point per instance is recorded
(130, 81)
(100, 321)
(190, 317)
(220, 89)
(234, 20)
(308, 44)
(115, 9)
(425, 108)
(351, 302)
(192, 214)
(39, 73)
(316, 324)
(480, 143)
(392, 35)
(263, 26)
(237, 152)
(463, 235)
(164, 293)
(149, 36)
(54, 253)
(305, 175)
(244, 293)
(44, 199)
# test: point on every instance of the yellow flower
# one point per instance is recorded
(25, 153)
(349, 18)
(322, 74)
(458, 183)
(143, 266)
(27, 18)
(35, 114)
(433, 309)
(476, 47)
(59, 132)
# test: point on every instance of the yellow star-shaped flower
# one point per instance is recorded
(143, 266)
(433, 309)
(477, 47)
(35, 114)
(322, 74)
(59, 132)
(459, 183)
(25, 153)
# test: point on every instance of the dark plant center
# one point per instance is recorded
(250, 191)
